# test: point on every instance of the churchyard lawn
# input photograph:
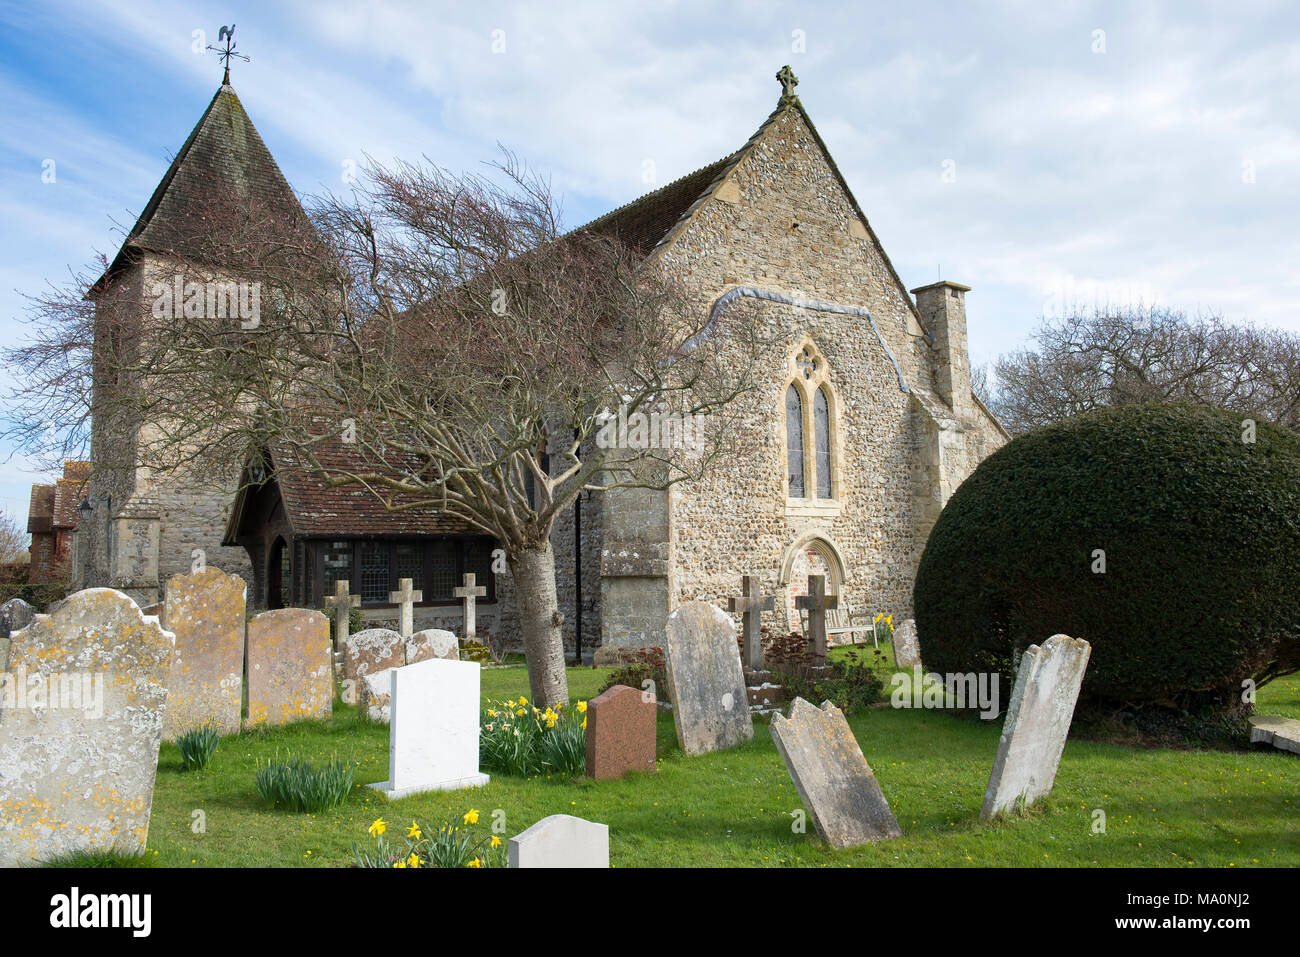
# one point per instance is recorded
(1164, 808)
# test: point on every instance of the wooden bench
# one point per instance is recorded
(843, 621)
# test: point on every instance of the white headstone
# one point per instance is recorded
(433, 737)
(561, 840)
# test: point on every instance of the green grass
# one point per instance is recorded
(1164, 807)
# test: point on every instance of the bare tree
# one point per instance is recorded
(14, 540)
(477, 359)
(1085, 361)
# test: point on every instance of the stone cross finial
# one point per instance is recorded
(404, 598)
(817, 603)
(751, 604)
(467, 593)
(788, 81)
(341, 602)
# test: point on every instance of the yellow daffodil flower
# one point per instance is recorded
(496, 841)
(582, 707)
(378, 828)
(471, 817)
(476, 863)
(414, 832)
(413, 861)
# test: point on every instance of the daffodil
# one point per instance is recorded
(470, 817)
(523, 700)
(413, 861)
(414, 831)
(582, 707)
(496, 841)
(399, 863)
(378, 828)
(475, 863)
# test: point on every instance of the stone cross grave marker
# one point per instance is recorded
(620, 733)
(341, 602)
(205, 611)
(561, 840)
(1038, 720)
(468, 593)
(751, 604)
(79, 744)
(368, 653)
(831, 775)
(707, 684)
(404, 598)
(907, 648)
(817, 603)
(433, 734)
(290, 667)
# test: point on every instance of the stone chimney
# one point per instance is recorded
(942, 306)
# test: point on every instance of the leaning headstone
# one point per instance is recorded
(620, 733)
(374, 696)
(432, 643)
(832, 777)
(79, 740)
(561, 840)
(289, 667)
(1038, 721)
(368, 652)
(907, 648)
(707, 684)
(205, 611)
(15, 614)
(1282, 733)
(433, 735)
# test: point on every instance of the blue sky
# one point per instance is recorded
(1042, 154)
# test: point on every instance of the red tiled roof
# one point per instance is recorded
(40, 509)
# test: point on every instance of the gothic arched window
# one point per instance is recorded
(794, 448)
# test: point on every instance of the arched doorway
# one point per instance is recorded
(810, 554)
(278, 574)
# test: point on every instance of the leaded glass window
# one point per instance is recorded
(373, 565)
(794, 441)
(822, 437)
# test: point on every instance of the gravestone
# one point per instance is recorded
(432, 643)
(831, 775)
(205, 611)
(620, 733)
(374, 695)
(817, 603)
(907, 648)
(77, 766)
(368, 652)
(468, 593)
(405, 598)
(1038, 720)
(707, 684)
(561, 840)
(750, 605)
(290, 674)
(433, 735)
(15, 614)
(1281, 733)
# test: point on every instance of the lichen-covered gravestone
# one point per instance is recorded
(432, 643)
(561, 840)
(1038, 721)
(79, 744)
(620, 733)
(290, 671)
(370, 652)
(14, 616)
(433, 737)
(710, 702)
(907, 648)
(831, 775)
(205, 611)
(374, 696)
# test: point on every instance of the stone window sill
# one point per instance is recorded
(812, 507)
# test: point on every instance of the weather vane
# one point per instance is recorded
(227, 34)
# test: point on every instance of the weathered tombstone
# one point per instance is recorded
(1038, 720)
(907, 648)
(831, 775)
(342, 603)
(205, 611)
(367, 652)
(432, 643)
(467, 593)
(817, 603)
(290, 673)
(751, 606)
(710, 702)
(405, 598)
(620, 733)
(561, 840)
(15, 614)
(374, 695)
(1282, 733)
(433, 735)
(77, 766)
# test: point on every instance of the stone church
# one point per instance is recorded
(864, 423)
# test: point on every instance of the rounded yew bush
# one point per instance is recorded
(1163, 535)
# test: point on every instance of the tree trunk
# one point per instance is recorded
(539, 622)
